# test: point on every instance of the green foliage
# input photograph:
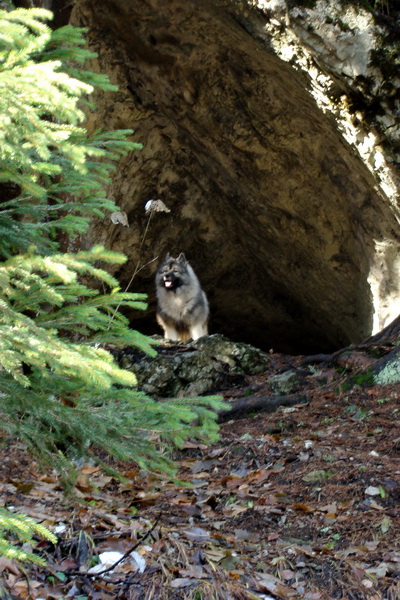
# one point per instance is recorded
(32, 285)
(23, 528)
(123, 422)
(59, 172)
(61, 391)
(363, 379)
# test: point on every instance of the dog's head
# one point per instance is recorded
(171, 274)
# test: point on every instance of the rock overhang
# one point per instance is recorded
(282, 222)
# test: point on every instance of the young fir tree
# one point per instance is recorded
(61, 396)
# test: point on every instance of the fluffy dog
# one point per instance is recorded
(182, 309)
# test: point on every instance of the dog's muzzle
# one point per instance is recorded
(169, 281)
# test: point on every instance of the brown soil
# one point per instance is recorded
(299, 504)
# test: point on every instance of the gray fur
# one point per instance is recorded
(182, 309)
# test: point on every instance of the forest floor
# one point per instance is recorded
(301, 504)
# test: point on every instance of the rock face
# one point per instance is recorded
(280, 219)
(349, 53)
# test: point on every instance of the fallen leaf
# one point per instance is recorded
(303, 508)
(260, 475)
(89, 470)
(8, 565)
(231, 481)
(195, 446)
(217, 555)
(329, 508)
(376, 506)
(244, 535)
(195, 572)
(182, 582)
(197, 533)
(372, 546)
(106, 516)
(380, 571)
(386, 524)
(83, 483)
(329, 518)
(138, 561)
(234, 509)
(229, 563)
(37, 515)
(286, 574)
(119, 217)
(23, 487)
(269, 583)
(203, 465)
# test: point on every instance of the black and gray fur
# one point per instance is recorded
(182, 309)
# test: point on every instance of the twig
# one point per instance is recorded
(137, 267)
(136, 271)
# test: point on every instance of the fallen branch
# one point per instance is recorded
(243, 406)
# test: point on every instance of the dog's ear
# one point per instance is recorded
(168, 257)
(182, 259)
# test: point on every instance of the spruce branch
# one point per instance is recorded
(62, 393)
(23, 528)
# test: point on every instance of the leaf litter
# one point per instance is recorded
(299, 504)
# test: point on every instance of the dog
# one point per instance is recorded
(182, 309)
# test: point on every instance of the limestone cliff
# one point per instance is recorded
(291, 234)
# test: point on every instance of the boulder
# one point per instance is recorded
(285, 383)
(206, 366)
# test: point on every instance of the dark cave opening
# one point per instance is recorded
(297, 338)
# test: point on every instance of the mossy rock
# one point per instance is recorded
(387, 371)
(285, 383)
(208, 365)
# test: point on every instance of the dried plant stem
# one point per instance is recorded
(138, 268)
